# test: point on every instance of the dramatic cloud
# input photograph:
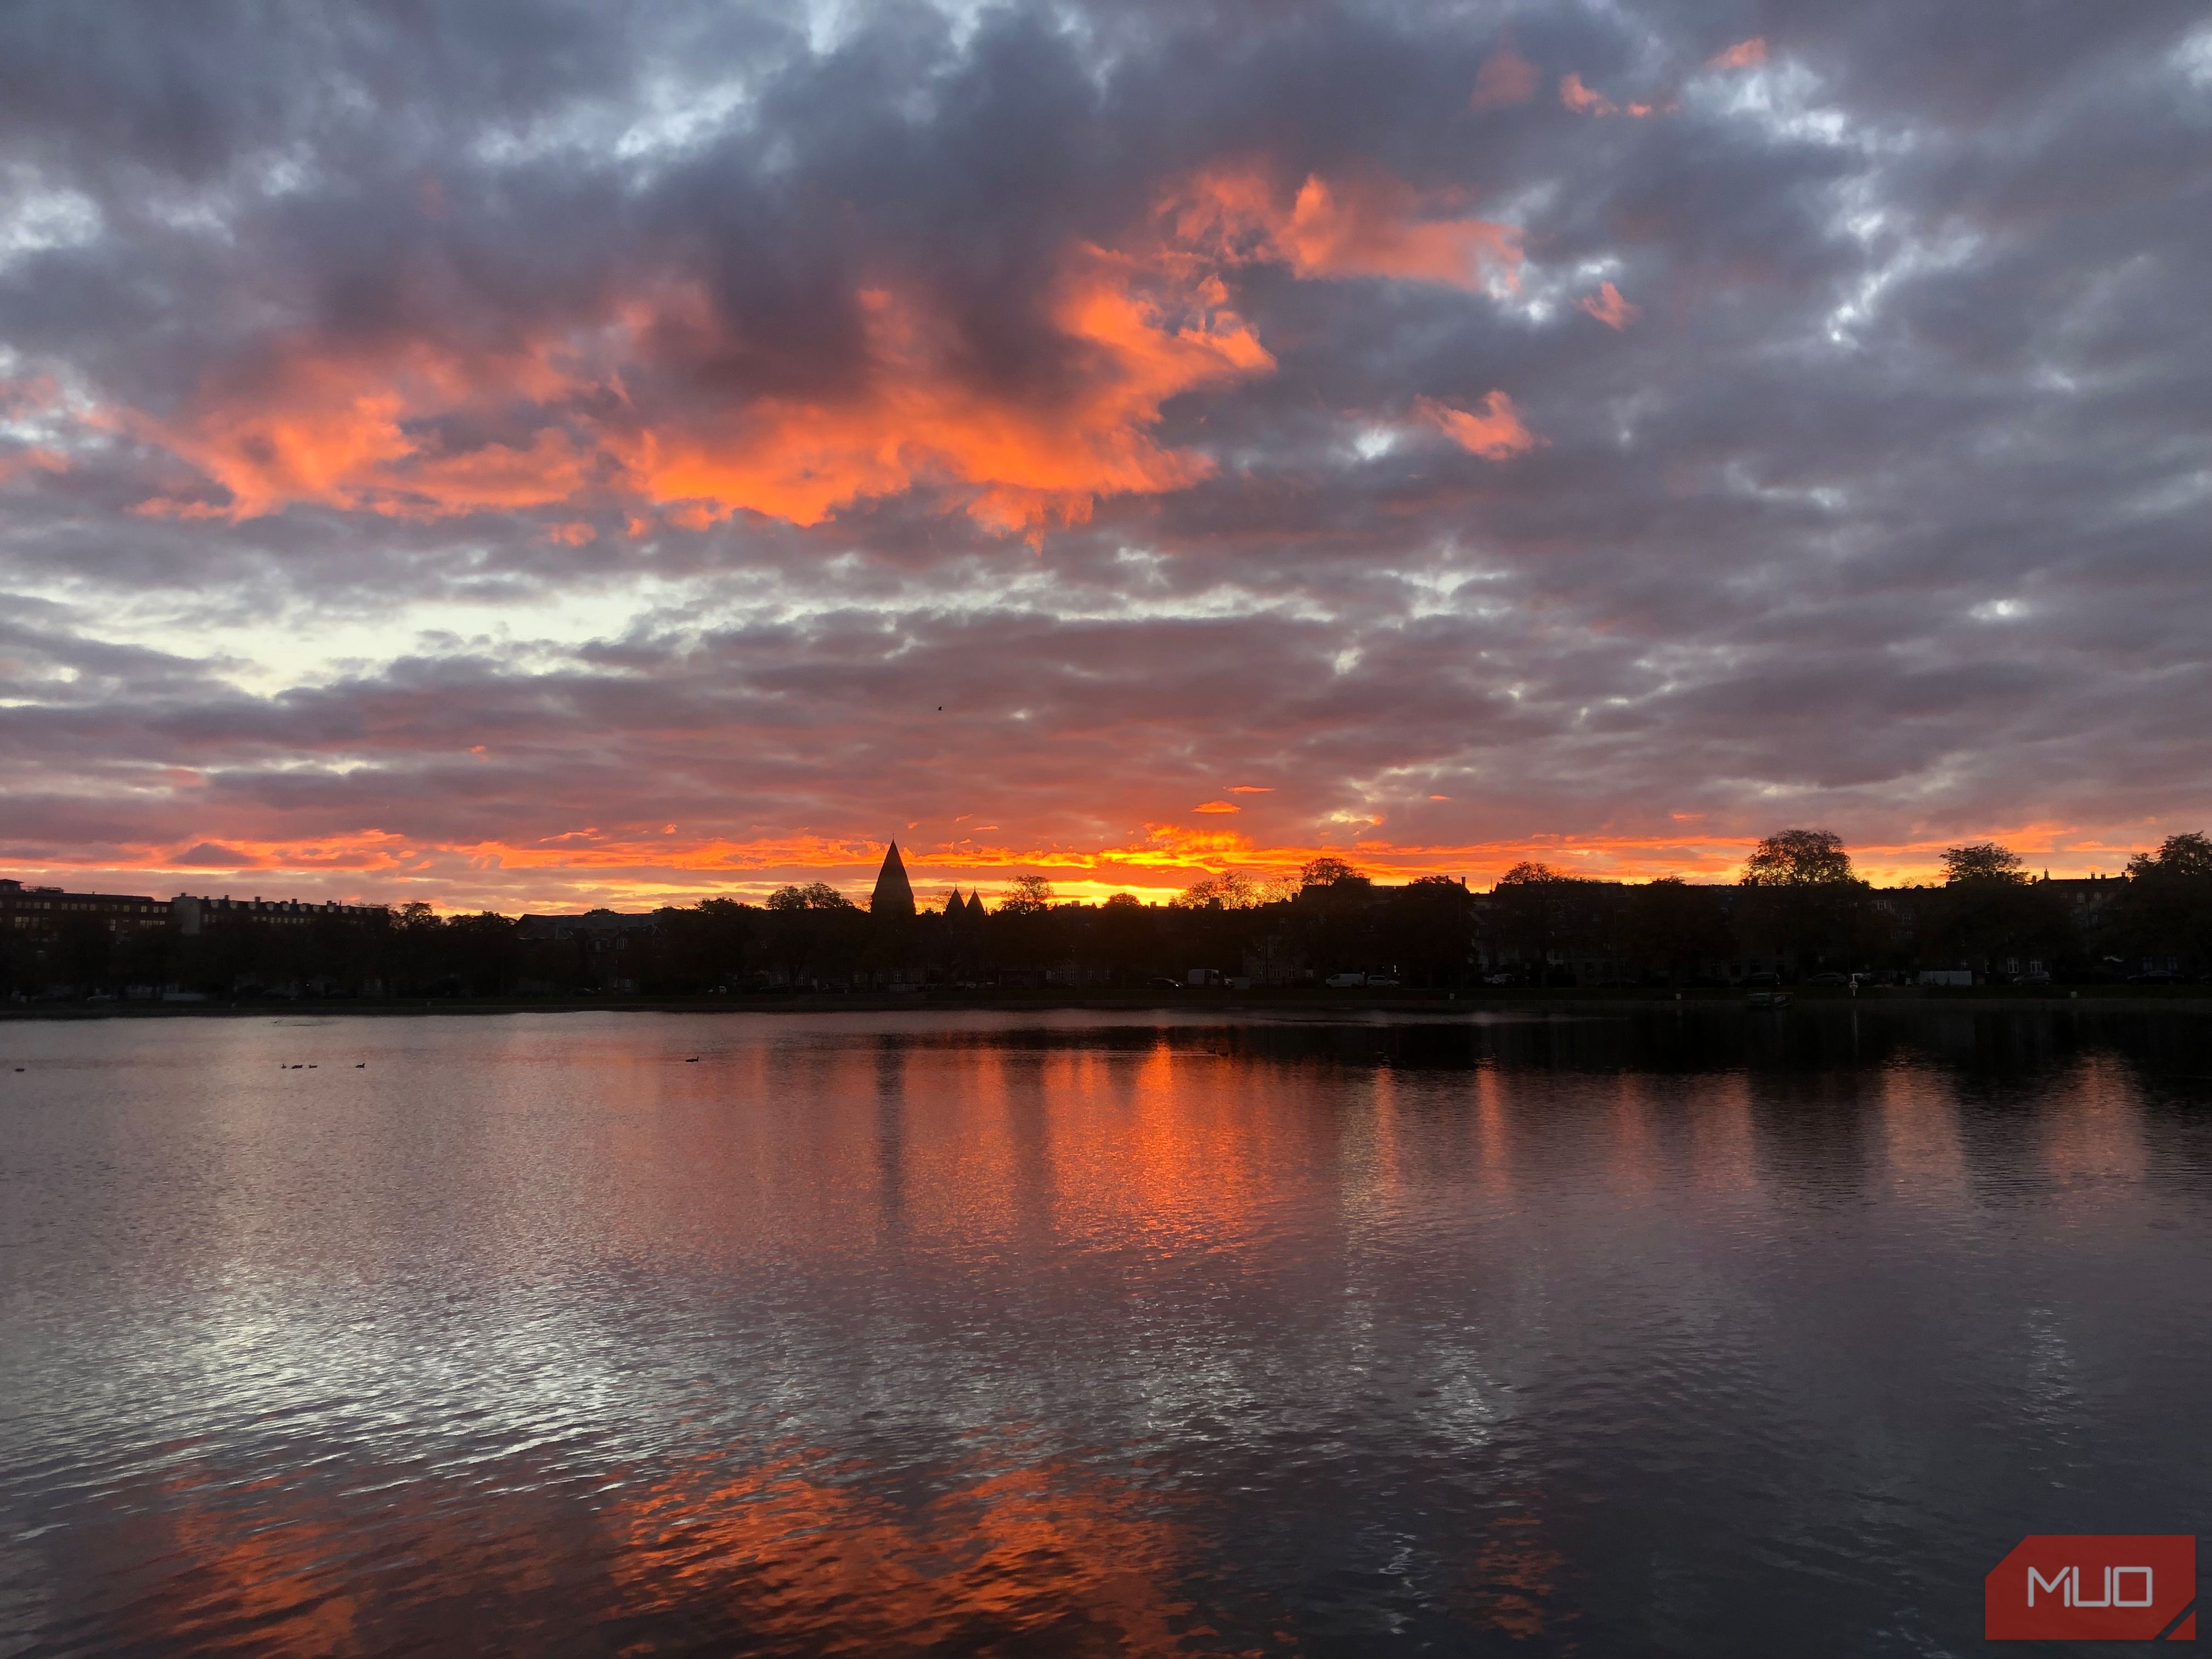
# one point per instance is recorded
(356, 431)
(1609, 308)
(372, 428)
(914, 419)
(1506, 78)
(535, 453)
(1495, 434)
(1583, 101)
(1358, 227)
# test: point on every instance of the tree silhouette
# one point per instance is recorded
(1232, 890)
(1422, 930)
(1798, 858)
(1326, 871)
(1028, 895)
(1670, 928)
(2168, 906)
(1982, 861)
(1989, 911)
(811, 930)
(1802, 900)
(1529, 915)
(1125, 937)
(1333, 917)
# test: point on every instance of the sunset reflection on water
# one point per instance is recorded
(1074, 1334)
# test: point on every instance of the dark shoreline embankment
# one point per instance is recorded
(2178, 1000)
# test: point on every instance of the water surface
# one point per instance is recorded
(1080, 1333)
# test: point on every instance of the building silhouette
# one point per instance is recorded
(894, 893)
(195, 914)
(42, 913)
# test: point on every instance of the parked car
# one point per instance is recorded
(1344, 982)
(1829, 979)
(1157, 983)
(1382, 982)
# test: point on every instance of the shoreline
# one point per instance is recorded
(1917, 999)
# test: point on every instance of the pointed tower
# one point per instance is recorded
(955, 906)
(894, 893)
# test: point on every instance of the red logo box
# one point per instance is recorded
(2092, 1586)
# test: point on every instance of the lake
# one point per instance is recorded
(1063, 1334)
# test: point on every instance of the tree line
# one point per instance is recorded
(1800, 907)
(1799, 904)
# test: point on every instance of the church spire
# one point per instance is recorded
(894, 893)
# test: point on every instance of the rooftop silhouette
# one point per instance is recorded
(894, 893)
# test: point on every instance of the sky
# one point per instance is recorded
(528, 457)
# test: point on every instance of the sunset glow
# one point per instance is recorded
(1437, 446)
(907, 827)
(593, 866)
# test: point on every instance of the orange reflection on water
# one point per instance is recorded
(1918, 1116)
(790, 1555)
(2092, 1138)
(1179, 1149)
(1638, 1156)
(954, 1146)
(254, 1580)
(285, 1565)
(1724, 1152)
(1515, 1573)
(795, 1554)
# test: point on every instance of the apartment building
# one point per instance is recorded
(43, 913)
(194, 915)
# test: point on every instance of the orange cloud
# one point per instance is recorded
(356, 432)
(1609, 308)
(1495, 435)
(1366, 225)
(1744, 54)
(37, 459)
(1141, 334)
(1584, 101)
(1251, 789)
(373, 429)
(1581, 99)
(307, 424)
(1505, 78)
(1217, 807)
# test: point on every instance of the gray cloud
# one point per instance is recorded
(1888, 510)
